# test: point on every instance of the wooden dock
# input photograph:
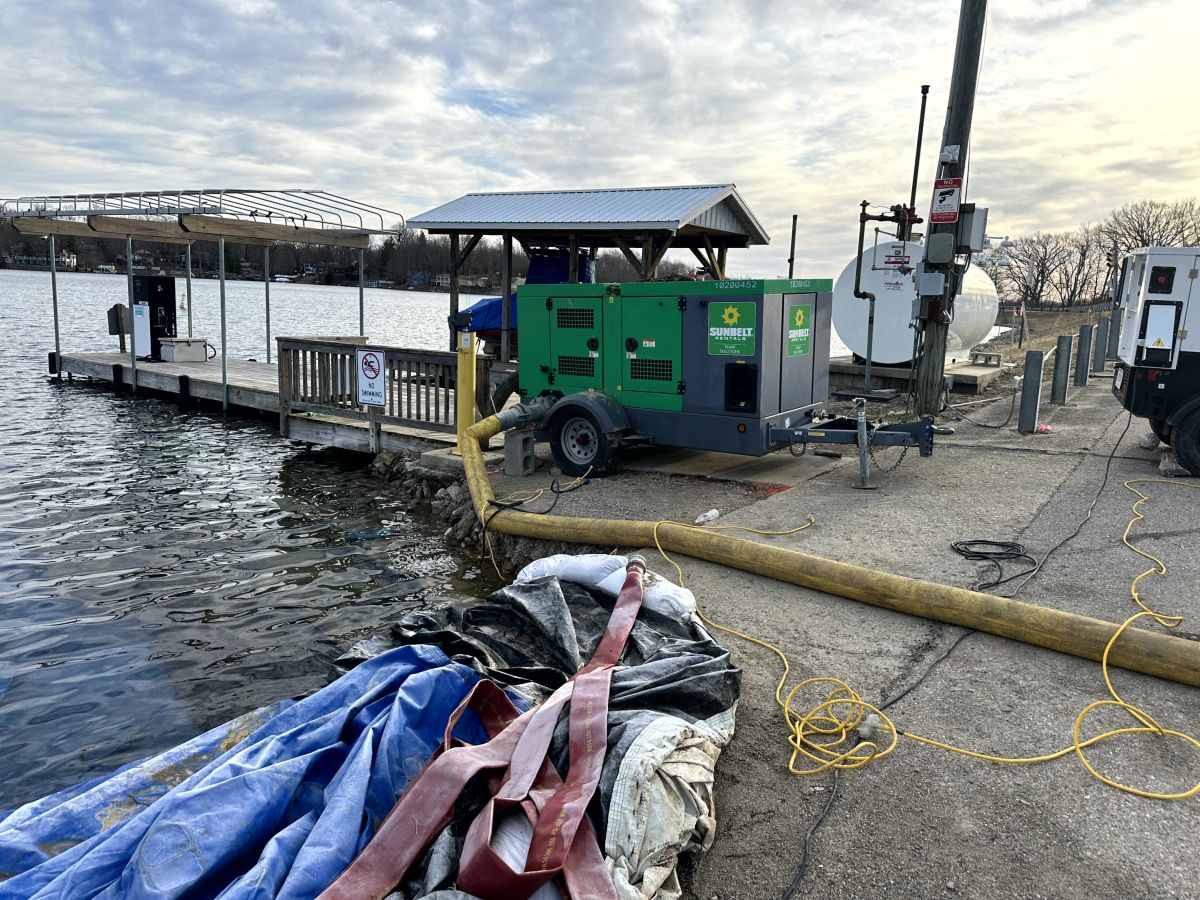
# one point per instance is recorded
(317, 404)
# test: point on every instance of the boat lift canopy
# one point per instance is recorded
(256, 217)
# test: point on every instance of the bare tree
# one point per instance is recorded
(1036, 260)
(1150, 223)
(1078, 278)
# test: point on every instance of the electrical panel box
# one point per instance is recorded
(708, 364)
(157, 293)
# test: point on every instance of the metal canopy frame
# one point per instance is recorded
(256, 217)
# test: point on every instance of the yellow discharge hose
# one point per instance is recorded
(839, 733)
(1149, 652)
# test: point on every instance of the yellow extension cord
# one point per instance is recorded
(826, 734)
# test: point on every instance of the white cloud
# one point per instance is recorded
(809, 107)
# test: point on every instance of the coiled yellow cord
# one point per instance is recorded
(840, 731)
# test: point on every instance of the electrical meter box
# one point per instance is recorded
(711, 365)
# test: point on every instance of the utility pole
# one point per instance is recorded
(937, 304)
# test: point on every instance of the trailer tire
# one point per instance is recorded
(1162, 430)
(579, 444)
(1185, 438)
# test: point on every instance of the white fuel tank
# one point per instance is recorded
(975, 307)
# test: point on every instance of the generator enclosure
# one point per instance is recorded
(1158, 368)
(711, 365)
(157, 292)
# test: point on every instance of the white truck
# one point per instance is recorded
(1158, 368)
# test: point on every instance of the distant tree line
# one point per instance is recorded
(1073, 268)
(409, 258)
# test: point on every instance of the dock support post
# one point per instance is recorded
(132, 327)
(1101, 348)
(188, 263)
(362, 319)
(1031, 392)
(54, 301)
(224, 343)
(1062, 368)
(1083, 360)
(506, 288)
(267, 297)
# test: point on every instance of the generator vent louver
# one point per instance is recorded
(578, 366)
(650, 369)
(576, 318)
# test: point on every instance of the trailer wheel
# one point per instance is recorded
(1185, 439)
(1161, 430)
(579, 445)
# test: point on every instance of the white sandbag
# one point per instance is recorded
(606, 573)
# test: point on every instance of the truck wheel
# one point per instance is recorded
(1161, 430)
(580, 446)
(1186, 440)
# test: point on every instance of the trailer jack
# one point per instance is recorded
(865, 434)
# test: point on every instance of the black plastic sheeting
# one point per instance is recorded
(533, 637)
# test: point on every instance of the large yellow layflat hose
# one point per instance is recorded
(1149, 652)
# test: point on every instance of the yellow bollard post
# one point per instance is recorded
(464, 386)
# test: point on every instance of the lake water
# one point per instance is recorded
(162, 571)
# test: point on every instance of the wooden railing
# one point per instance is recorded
(318, 375)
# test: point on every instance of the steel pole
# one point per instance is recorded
(362, 320)
(224, 343)
(132, 327)
(792, 251)
(188, 261)
(1031, 392)
(267, 295)
(1114, 334)
(54, 302)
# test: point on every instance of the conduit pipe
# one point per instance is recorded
(1150, 652)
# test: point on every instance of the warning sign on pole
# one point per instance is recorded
(370, 378)
(947, 194)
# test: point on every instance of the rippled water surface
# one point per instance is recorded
(162, 571)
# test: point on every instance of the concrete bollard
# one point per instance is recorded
(1101, 348)
(1083, 358)
(1031, 392)
(1062, 369)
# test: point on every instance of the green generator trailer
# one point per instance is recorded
(735, 366)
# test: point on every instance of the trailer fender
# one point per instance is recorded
(1180, 413)
(609, 414)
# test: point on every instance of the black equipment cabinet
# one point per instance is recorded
(157, 292)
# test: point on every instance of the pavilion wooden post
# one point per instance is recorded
(573, 265)
(506, 292)
(454, 290)
(647, 256)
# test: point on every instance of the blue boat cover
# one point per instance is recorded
(299, 787)
(485, 315)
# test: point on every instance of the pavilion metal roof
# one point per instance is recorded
(712, 209)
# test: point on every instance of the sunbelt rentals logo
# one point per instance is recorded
(799, 334)
(731, 329)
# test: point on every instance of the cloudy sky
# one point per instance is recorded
(809, 106)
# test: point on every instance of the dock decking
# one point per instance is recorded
(254, 386)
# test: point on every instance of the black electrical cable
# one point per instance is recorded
(964, 417)
(518, 504)
(1091, 508)
(800, 870)
(995, 553)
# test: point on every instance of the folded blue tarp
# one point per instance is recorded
(277, 813)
